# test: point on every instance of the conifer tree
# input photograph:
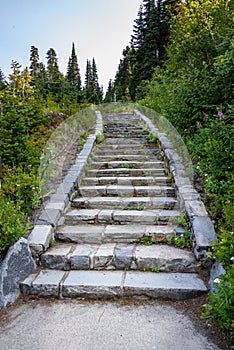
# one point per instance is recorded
(2, 80)
(110, 93)
(73, 72)
(53, 73)
(34, 59)
(93, 92)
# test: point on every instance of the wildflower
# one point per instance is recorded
(217, 280)
(205, 115)
(220, 114)
(232, 258)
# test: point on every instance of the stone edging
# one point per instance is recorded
(43, 231)
(203, 232)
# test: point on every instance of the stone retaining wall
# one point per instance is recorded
(202, 229)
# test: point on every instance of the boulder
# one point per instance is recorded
(16, 266)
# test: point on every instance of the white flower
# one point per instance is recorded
(232, 258)
(217, 280)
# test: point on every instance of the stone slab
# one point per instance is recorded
(81, 215)
(103, 257)
(47, 283)
(165, 258)
(17, 264)
(80, 233)
(56, 206)
(123, 256)
(123, 233)
(140, 216)
(49, 217)
(80, 258)
(57, 257)
(40, 238)
(174, 286)
(93, 284)
(203, 231)
(195, 208)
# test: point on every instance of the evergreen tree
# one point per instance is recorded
(34, 59)
(55, 80)
(124, 74)
(110, 94)
(73, 72)
(2, 80)
(53, 73)
(93, 92)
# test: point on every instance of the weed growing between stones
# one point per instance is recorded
(181, 240)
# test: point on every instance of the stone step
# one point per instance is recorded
(110, 284)
(127, 203)
(115, 216)
(126, 190)
(113, 152)
(83, 232)
(124, 157)
(127, 180)
(126, 172)
(111, 256)
(127, 165)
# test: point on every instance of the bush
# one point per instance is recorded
(12, 221)
(221, 303)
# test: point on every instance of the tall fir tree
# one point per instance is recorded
(2, 80)
(53, 73)
(93, 92)
(34, 59)
(73, 71)
(110, 93)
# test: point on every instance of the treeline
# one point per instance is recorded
(146, 50)
(50, 83)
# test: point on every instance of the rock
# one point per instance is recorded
(215, 273)
(16, 266)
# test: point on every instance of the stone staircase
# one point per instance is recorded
(112, 240)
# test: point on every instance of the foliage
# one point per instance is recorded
(221, 302)
(181, 240)
(11, 222)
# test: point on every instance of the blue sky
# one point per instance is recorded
(99, 29)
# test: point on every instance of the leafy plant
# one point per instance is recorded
(100, 138)
(12, 222)
(181, 240)
(128, 166)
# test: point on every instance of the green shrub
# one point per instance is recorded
(221, 303)
(21, 187)
(12, 221)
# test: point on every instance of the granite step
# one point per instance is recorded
(113, 152)
(111, 256)
(124, 158)
(127, 164)
(126, 172)
(116, 216)
(113, 284)
(126, 190)
(127, 180)
(83, 232)
(127, 203)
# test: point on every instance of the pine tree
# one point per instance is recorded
(2, 80)
(93, 92)
(73, 72)
(52, 65)
(110, 93)
(34, 59)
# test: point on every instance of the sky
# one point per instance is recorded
(99, 29)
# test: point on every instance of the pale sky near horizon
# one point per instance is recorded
(99, 29)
